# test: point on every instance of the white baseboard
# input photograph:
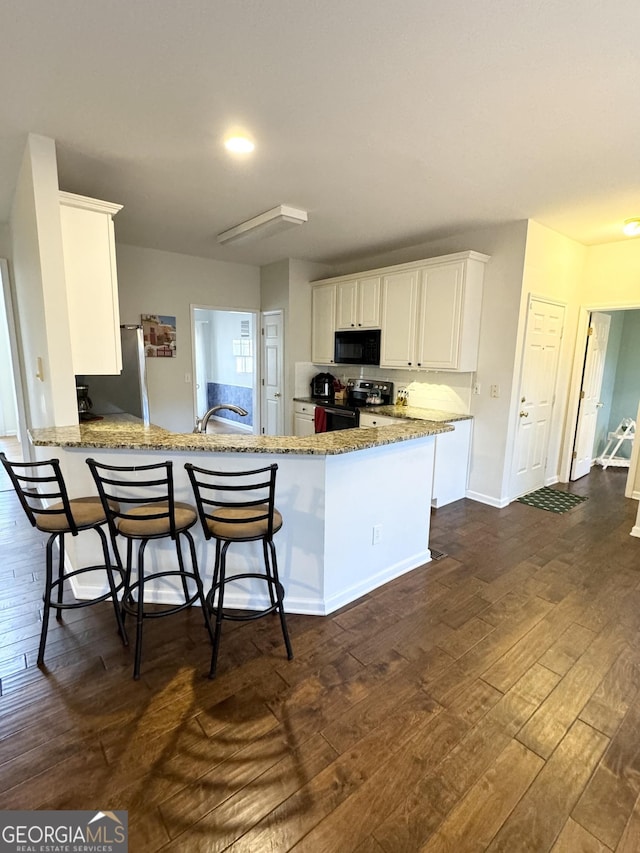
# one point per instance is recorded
(500, 503)
(635, 531)
(238, 600)
(358, 590)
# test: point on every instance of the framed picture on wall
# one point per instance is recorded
(159, 335)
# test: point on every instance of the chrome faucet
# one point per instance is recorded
(201, 423)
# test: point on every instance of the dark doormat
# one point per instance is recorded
(552, 500)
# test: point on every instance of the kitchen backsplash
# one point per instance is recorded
(450, 392)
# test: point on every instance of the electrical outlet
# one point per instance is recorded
(494, 391)
(376, 534)
(476, 388)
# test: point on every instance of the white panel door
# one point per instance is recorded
(590, 394)
(537, 387)
(201, 365)
(272, 374)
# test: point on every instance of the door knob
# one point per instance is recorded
(277, 394)
(524, 414)
(599, 405)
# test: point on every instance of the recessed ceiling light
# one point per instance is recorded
(631, 227)
(239, 145)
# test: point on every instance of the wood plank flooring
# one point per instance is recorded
(487, 701)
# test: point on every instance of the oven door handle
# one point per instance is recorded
(343, 413)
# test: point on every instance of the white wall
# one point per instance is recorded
(155, 282)
(5, 241)
(612, 275)
(40, 291)
(554, 269)
(285, 286)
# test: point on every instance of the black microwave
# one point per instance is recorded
(357, 347)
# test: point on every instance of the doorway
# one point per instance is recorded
(609, 392)
(225, 367)
(12, 418)
(272, 373)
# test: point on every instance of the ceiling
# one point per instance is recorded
(390, 123)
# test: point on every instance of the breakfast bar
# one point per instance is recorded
(355, 503)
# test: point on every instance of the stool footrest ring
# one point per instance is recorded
(74, 604)
(258, 614)
(130, 605)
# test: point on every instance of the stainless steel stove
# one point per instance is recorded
(369, 393)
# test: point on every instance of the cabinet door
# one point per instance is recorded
(303, 425)
(92, 285)
(346, 304)
(440, 316)
(368, 307)
(323, 318)
(399, 303)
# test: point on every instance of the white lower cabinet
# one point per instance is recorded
(304, 419)
(451, 470)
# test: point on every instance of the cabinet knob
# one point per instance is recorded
(409, 363)
(419, 364)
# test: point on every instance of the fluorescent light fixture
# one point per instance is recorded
(265, 224)
(632, 227)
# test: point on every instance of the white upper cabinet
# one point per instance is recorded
(323, 323)
(399, 318)
(88, 244)
(431, 313)
(358, 303)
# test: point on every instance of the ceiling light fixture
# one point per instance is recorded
(265, 224)
(239, 145)
(631, 227)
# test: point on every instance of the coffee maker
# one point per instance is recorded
(84, 403)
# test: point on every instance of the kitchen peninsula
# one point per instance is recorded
(356, 503)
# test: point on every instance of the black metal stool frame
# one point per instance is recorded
(26, 487)
(206, 484)
(108, 477)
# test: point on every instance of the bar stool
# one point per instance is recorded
(140, 506)
(39, 482)
(239, 507)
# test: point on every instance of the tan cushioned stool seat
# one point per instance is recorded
(86, 512)
(245, 529)
(143, 526)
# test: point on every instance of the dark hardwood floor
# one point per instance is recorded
(488, 701)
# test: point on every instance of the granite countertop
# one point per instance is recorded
(401, 412)
(126, 432)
